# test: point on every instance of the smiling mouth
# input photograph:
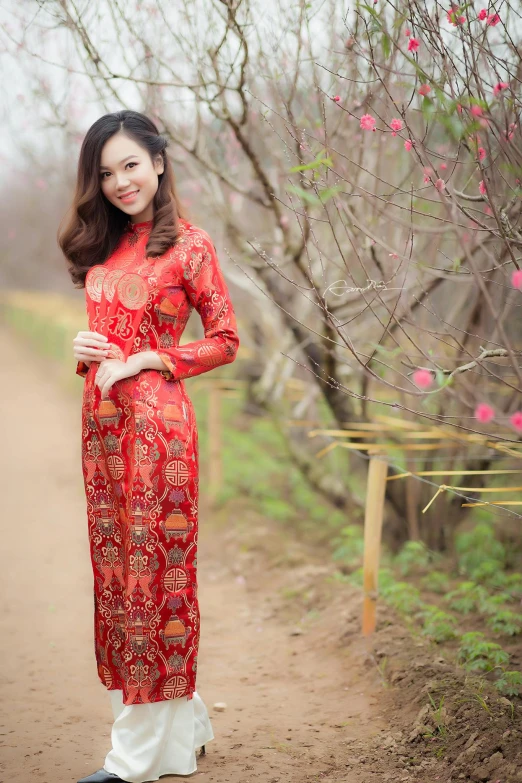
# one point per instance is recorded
(128, 195)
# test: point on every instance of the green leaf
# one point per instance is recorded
(385, 42)
(313, 165)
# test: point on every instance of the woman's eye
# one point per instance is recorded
(131, 163)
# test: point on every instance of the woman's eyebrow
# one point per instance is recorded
(121, 161)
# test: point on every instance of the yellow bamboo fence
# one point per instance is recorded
(366, 436)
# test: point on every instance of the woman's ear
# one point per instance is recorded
(159, 165)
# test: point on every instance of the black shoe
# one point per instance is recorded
(102, 776)
(202, 751)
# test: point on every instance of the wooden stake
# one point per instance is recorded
(375, 491)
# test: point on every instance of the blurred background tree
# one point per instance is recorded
(360, 169)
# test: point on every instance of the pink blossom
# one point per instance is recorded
(459, 108)
(408, 144)
(395, 125)
(424, 89)
(440, 185)
(481, 153)
(482, 14)
(482, 187)
(476, 110)
(407, 32)
(368, 122)
(426, 178)
(413, 44)
(516, 420)
(452, 16)
(492, 20)
(443, 166)
(516, 279)
(393, 255)
(427, 169)
(337, 98)
(423, 378)
(499, 87)
(484, 412)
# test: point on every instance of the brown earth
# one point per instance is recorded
(308, 698)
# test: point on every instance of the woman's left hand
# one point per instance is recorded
(112, 370)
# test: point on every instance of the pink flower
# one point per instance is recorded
(395, 125)
(499, 87)
(484, 412)
(408, 145)
(516, 420)
(482, 187)
(426, 178)
(423, 378)
(516, 279)
(413, 44)
(368, 122)
(459, 108)
(443, 166)
(453, 17)
(440, 185)
(424, 89)
(481, 153)
(476, 110)
(407, 32)
(492, 20)
(337, 98)
(482, 14)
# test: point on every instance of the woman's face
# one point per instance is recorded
(125, 167)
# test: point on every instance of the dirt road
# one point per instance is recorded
(301, 706)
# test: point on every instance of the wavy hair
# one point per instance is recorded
(95, 226)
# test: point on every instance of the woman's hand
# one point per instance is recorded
(90, 346)
(112, 370)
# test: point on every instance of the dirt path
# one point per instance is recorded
(300, 706)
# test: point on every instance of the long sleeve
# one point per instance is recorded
(208, 293)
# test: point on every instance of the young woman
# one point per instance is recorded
(144, 268)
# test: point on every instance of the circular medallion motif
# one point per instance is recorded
(209, 355)
(116, 466)
(175, 579)
(176, 472)
(110, 283)
(94, 282)
(132, 291)
(175, 687)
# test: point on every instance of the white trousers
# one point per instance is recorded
(150, 740)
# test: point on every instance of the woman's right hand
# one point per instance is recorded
(90, 347)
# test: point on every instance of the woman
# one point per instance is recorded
(144, 267)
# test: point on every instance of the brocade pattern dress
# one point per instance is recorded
(140, 460)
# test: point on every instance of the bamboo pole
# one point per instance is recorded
(375, 491)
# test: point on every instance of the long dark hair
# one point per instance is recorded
(95, 226)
